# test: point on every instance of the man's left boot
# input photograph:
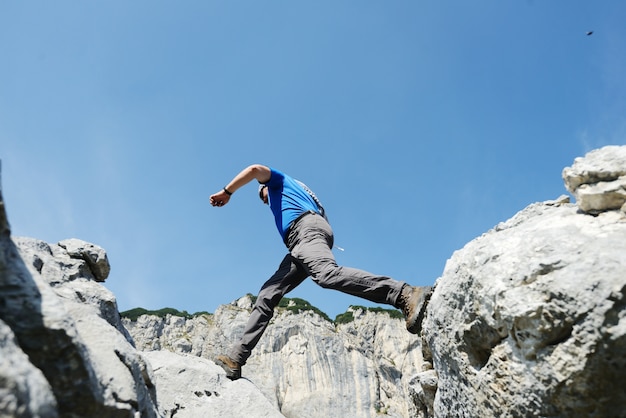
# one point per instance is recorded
(230, 366)
(412, 302)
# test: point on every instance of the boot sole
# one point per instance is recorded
(232, 374)
(415, 327)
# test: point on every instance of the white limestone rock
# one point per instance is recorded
(193, 387)
(304, 364)
(95, 370)
(598, 180)
(95, 256)
(24, 390)
(69, 327)
(529, 319)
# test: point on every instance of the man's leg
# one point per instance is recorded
(288, 276)
(311, 244)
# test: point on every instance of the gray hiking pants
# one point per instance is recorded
(310, 242)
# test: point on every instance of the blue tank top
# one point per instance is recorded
(288, 199)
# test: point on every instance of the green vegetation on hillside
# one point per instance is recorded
(347, 316)
(135, 313)
(295, 305)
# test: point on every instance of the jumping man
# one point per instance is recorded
(304, 228)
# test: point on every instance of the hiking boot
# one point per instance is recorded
(230, 366)
(412, 302)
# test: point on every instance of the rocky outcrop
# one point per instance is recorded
(529, 319)
(305, 365)
(599, 180)
(192, 387)
(65, 353)
(65, 335)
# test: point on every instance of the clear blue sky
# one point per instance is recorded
(419, 124)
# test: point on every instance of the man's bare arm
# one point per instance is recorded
(256, 171)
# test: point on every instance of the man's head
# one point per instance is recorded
(263, 193)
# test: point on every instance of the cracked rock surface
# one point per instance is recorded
(598, 180)
(529, 318)
(191, 387)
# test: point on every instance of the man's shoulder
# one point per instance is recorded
(277, 177)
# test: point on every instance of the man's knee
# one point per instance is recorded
(328, 276)
(267, 301)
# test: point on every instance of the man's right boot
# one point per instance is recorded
(230, 366)
(412, 302)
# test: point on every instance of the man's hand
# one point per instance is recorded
(220, 198)
(256, 171)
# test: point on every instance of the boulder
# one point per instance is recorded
(193, 387)
(63, 349)
(95, 257)
(529, 319)
(598, 180)
(24, 391)
(65, 353)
